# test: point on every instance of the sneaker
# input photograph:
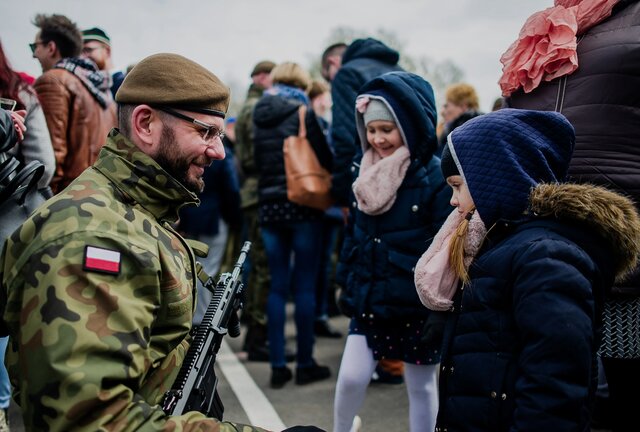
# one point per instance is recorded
(313, 373)
(280, 376)
(356, 425)
(381, 376)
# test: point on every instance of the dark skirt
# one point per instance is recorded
(395, 339)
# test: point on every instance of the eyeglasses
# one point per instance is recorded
(208, 132)
(34, 45)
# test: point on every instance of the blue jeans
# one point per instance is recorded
(330, 229)
(303, 239)
(5, 386)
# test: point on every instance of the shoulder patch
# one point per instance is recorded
(101, 260)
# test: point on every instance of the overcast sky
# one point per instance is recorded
(230, 36)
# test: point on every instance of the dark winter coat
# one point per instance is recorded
(219, 199)
(276, 118)
(519, 348)
(380, 252)
(601, 99)
(363, 60)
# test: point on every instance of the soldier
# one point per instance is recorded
(97, 285)
(255, 343)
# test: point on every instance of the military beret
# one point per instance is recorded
(96, 34)
(172, 80)
(263, 67)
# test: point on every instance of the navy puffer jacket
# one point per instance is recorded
(364, 60)
(380, 252)
(519, 350)
(276, 118)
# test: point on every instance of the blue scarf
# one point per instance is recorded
(289, 92)
(97, 82)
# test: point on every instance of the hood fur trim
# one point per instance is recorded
(613, 215)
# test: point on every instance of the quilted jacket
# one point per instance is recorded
(601, 99)
(275, 118)
(379, 252)
(520, 345)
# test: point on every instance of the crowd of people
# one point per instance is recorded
(485, 260)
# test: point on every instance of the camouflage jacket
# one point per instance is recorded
(99, 291)
(244, 147)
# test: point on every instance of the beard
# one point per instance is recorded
(174, 162)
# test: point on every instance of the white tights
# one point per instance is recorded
(353, 379)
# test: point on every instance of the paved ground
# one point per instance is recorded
(385, 409)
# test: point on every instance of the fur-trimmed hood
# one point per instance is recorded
(613, 216)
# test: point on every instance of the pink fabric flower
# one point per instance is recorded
(546, 46)
(361, 104)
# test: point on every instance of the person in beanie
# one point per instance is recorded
(97, 287)
(520, 267)
(97, 47)
(258, 277)
(400, 202)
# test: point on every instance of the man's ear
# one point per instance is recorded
(146, 128)
(52, 49)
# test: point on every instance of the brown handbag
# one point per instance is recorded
(308, 183)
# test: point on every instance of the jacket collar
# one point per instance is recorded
(255, 91)
(586, 214)
(140, 178)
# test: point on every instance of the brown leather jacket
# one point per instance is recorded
(78, 125)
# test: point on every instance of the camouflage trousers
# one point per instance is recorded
(258, 276)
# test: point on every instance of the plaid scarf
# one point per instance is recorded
(97, 82)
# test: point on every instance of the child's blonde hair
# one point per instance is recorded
(456, 248)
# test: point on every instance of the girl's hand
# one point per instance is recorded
(18, 122)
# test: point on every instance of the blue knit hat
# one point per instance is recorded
(504, 154)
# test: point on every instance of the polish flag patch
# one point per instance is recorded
(101, 260)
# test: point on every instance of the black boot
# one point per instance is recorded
(313, 373)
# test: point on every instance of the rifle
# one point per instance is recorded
(195, 388)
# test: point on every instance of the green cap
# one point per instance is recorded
(175, 81)
(96, 34)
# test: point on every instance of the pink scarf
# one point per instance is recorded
(546, 46)
(435, 280)
(377, 185)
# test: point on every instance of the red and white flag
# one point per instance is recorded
(101, 260)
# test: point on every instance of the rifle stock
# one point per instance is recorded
(195, 387)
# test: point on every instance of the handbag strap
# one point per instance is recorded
(302, 113)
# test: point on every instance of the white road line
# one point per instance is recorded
(254, 402)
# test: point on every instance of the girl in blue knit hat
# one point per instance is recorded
(400, 201)
(519, 267)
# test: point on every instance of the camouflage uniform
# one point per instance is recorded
(259, 278)
(97, 350)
